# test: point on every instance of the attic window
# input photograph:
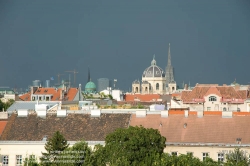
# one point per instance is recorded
(185, 125)
(238, 140)
(45, 90)
(212, 98)
(38, 90)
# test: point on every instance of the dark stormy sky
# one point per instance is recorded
(210, 40)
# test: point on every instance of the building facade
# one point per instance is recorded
(212, 97)
(155, 80)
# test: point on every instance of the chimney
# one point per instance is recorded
(61, 94)
(31, 90)
(186, 87)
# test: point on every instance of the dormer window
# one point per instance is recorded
(212, 98)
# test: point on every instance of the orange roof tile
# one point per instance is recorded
(69, 96)
(25, 97)
(142, 97)
(199, 92)
(72, 93)
(2, 126)
(208, 129)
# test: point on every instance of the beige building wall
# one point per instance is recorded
(198, 151)
(153, 81)
(25, 148)
(217, 105)
(32, 148)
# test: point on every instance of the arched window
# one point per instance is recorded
(157, 86)
(212, 98)
(136, 89)
(224, 109)
(150, 86)
(172, 88)
(163, 86)
(146, 89)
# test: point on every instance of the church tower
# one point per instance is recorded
(170, 74)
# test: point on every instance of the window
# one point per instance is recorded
(204, 156)
(208, 108)
(212, 98)
(19, 160)
(224, 109)
(221, 157)
(190, 153)
(157, 86)
(136, 90)
(174, 153)
(5, 160)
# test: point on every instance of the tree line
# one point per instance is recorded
(133, 146)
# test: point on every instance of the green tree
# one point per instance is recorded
(30, 161)
(1, 106)
(8, 104)
(130, 146)
(183, 160)
(55, 145)
(110, 97)
(236, 158)
(78, 155)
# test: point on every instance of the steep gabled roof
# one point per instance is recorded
(71, 93)
(25, 97)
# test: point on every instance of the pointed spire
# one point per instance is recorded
(89, 75)
(169, 55)
(153, 62)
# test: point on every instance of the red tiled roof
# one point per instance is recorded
(199, 92)
(208, 129)
(142, 97)
(2, 126)
(70, 95)
(25, 97)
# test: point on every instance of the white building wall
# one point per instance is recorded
(36, 147)
(197, 151)
(25, 148)
(116, 94)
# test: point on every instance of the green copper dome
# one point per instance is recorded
(90, 87)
